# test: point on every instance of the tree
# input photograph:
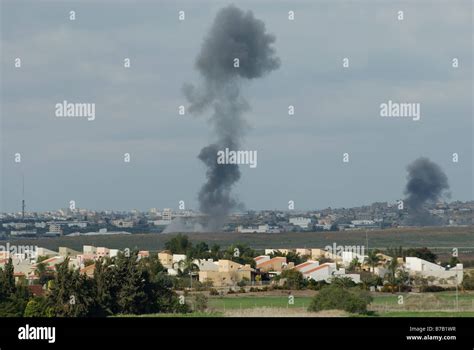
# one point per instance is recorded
(370, 280)
(179, 244)
(240, 253)
(293, 279)
(334, 297)
(7, 280)
(468, 281)
(128, 286)
(342, 282)
(200, 251)
(354, 265)
(33, 309)
(188, 267)
(215, 252)
(372, 259)
(422, 253)
(14, 305)
(13, 298)
(72, 294)
(200, 302)
(43, 274)
(152, 264)
(395, 252)
(38, 307)
(391, 276)
(105, 287)
(403, 279)
(135, 294)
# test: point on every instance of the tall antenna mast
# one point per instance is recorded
(23, 197)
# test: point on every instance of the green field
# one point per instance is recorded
(428, 314)
(439, 239)
(383, 305)
(432, 304)
(249, 302)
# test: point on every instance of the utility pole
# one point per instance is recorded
(366, 241)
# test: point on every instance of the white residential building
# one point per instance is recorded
(257, 229)
(55, 228)
(348, 257)
(324, 272)
(417, 266)
(166, 214)
(301, 222)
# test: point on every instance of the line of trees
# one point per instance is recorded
(240, 253)
(120, 285)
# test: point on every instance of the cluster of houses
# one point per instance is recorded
(320, 265)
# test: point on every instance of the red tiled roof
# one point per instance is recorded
(36, 289)
(87, 269)
(277, 258)
(51, 259)
(300, 266)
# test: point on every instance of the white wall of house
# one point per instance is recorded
(348, 256)
(178, 257)
(207, 265)
(417, 264)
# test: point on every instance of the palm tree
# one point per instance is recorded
(372, 259)
(188, 265)
(354, 265)
(392, 275)
(403, 278)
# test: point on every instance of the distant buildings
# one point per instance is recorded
(301, 222)
(253, 229)
(166, 214)
(54, 230)
(122, 223)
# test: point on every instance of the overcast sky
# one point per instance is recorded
(299, 157)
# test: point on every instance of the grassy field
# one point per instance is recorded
(428, 314)
(190, 315)
(230, 303)
(387, 305)
(440, 239)
(383, 305)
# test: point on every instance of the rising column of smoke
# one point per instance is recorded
(427, 183)
(234, 34)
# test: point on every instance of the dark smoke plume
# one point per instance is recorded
(234, 34)
(427, 183)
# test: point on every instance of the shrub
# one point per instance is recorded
(200, 303)
(293, 279)
(316, 285)
(333, 297)
(213, 291)
(468, 281)
(432, 289)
